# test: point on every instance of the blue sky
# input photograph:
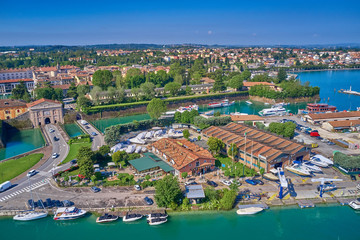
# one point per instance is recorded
(167, 22)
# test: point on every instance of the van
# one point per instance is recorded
(4, 186)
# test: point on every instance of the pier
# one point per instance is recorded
(345, 201)
(305, 204)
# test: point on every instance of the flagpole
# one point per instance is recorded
(244, 155)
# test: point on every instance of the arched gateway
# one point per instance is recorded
(45, 111)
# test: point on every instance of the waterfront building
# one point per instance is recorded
(11, 108)
(245, 118)
(352, 125)
(256, 148)
(44, 111)
(317, 108)
(184, 156)
(150, 164)
(6, 86)
(327, 117)
(194, 193)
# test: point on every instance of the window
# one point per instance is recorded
(197, 164)
(7, 112)
(204, 161)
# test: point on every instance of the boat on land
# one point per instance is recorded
(322, 159)
(249, 210)
(69, 213)
(175, 134)
(136, 140)
(130, 148)
(298, 169)
(156, 221)
(318, 162)
(326, 187)
(355, 205)
(157, 215)
(138, 149)
(272, 175)
(248, 102)
(107, 218)
(276, 111)
(131, 217)
(141, 135)
(312, 168)
(149, 134)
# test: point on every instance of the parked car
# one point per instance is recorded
(54, 155)
(212, 183)
(352, 177)
(250, 181)
(31, 173)
(233, 181)
(148, 201)
(95, 189)
(258, 181)
(93, 133)
(137, 187)
(87, 127)
(314, 133)
(190, 183)
(226, 182)
(73, 162)
(55, 138)
(51, 130)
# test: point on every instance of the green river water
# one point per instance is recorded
(290, 223)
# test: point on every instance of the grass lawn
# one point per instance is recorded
(12, 168)
(229, 164)
(74, 149)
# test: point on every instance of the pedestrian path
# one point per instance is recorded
(26, 189)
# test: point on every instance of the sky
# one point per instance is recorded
(250, 22)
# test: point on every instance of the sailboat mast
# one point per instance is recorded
(31, 195)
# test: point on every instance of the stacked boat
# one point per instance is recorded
(156, 218)
(321, 161)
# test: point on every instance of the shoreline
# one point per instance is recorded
(323, 70)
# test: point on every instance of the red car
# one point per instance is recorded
(314, 134)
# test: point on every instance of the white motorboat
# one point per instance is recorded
(355, 205)
(327, 187)
(318, 162)
(239, 114)
(138, 149)
(30, 215)
(249, 210)
(149, 135)
(107, 218)
(136, 140)
(188, 108)
(272, 175)
(141, 135)
(248, 102)
(156, 215)
(277, 111)
(215, 104)
(158, 133)
(227, 103)
(143, 149)
(69, 213)
(116, 148)
(209, 113)
(156, 221)
(175, 134)
(132, 217)
(311, 167)
(130, 148)
(299, 170)
(323, 159)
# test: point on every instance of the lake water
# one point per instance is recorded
(324, 222)
(18, 142)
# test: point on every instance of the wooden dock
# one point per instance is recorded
(345, 201)
(262, 205)
(305, 203)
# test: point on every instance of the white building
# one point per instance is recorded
(16, 73)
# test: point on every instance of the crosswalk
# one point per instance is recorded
(26, 189)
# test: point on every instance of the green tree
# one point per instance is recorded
(228, 199)
(120, 156)
(217, 114)
(281, 75)
(84, 153)
(95, 94)
(173, 88)
(72, 92)
(136, 92)
(177, 117)
(156, 107)
(179, 79)
(20, 92)
(186, 133)
(104, 150)
(215, 145)
(167, 191)
(186, 117)
(232, 150)
(236, 82)
(148, 88)
(83, 103)
(83, 90)
(184, 175)
(219, 82)
(246, 75)
(103, 79)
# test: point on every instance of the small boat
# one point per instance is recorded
(327, 187)
(143, 149)
(131, 217)
(249, 210)
(209, 113)
(69, 213)
(156, 221)
(130, 148)
(149, 134)
(30, 215)
(107, 218)
(116, 148)
(355, 205)
(188, 108)
(248, 102)
(299, 170)
(277, 111)
(227, 103)
(318, 162)
(267, 103)
(311, 167)
(137, 140)
(156, 215)
(141, 135)
(158, 133)
(138, 149)
(239, 114)
(323, 159)
(272, 175)
(175, 134)
(215, 104)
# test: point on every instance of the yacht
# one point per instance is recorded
(249, 210)
(323, 159)
(131, 217)
(327, 187)
(355, 205)
(239, 114)
(141, 135)
(318, 162)
(136, 140)
(156, 215)
(299, 170)
(149, 135)
(175, 134)
(116, 148)
(276, 111)
(188, 108)
(30, 215)
(226, 103)
(248, 102)
(156, 221)
(107, 218)
(69, 213)
(311, 167)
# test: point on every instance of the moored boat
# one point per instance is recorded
(69, 213)
(276, 111)
(157, 215)
(107, 218)
(215, 104)
(188, 108)
(156, 221)
(227, 103)
(249, 210)
(248, 102)
(209, 113)
(355, 205)
(131, 217)
(30, 215)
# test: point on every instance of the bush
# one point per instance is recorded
(203, 123)
(350, 163)
(80, 139)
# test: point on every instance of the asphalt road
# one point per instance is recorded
(45, 171)
(98, 140)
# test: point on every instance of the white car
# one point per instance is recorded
(137, 187)
(31, 173)
(233, 181)
(226, 182)
(55, 155)
(51, 130)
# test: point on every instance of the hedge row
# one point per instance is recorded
(203, 123)
(350, 163)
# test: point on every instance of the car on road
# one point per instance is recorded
(83, 122)
(251, 181)
(314, 133)
(190, 183)
(226, 182)
(352, 177)
(258, 181)
(95, 189)
(73, 162)
(87, 127)
(31, 173)
(148, 201)
(93, 133)
(55, 138)
(54, 155)
(51, 130)
(137, 187)
(212, 183)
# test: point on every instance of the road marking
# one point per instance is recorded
(273, 196)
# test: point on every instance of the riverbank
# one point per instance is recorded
(324, 70)
(286, 100)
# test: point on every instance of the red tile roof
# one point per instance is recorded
(29, 105)
(250, 84)
(16, 80)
